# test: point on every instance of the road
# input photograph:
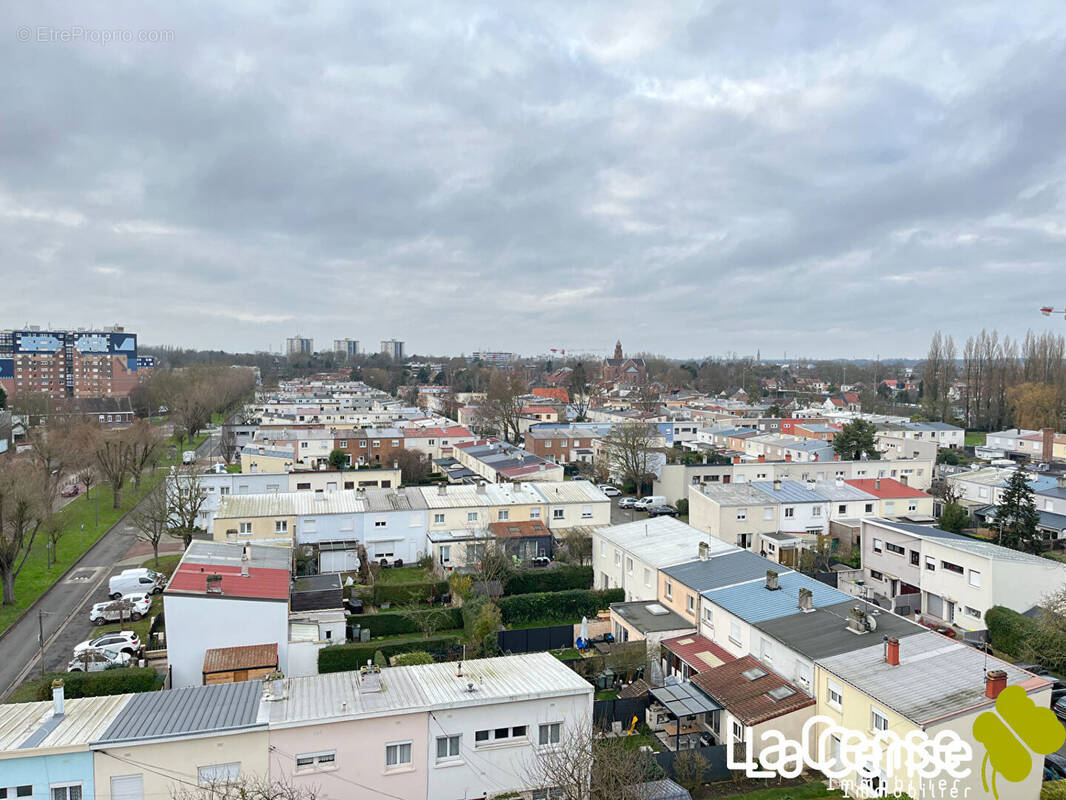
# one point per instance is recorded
(66, 605)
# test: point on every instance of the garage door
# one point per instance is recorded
(127, 787)
(934, 604)
(337, 561)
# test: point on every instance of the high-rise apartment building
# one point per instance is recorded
(393, 348)
(349, 347)
(74, 364)
(299, 346)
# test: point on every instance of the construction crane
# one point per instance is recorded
(1047, 311)
(562, 350)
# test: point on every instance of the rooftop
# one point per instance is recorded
(662, 541)
(518, 530)
(650, 617)
(824, 632)
(789, 491)
(267, 570)
(936, 678)
(966, 544)
(26, 725)
(250, 656)
(753, 602)
(733, 494)
(725, 569)
(840, 491)
(699, 652)
(885, 488)
(751, 692)
(296, 504)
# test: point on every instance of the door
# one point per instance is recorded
(934, 605)
(127, 787)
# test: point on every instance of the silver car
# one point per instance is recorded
(97, 661)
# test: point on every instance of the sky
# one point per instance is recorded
(694, 178)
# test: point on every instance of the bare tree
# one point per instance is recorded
(492, 570)
(414, 466)
(252, 787)
(578, 546)
(500, 412)
(227, 443)
(144, 441)
(25, 508)
(152, 520)
(628, 448)
(427, 620)
(185, 496)
(112, 455)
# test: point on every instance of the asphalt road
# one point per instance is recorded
(66, 605)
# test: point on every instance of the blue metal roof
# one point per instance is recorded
(753, 602)
(719, 571)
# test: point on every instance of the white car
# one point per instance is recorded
(97, 661)
(609, 490)
(118, 642)
(644, 503)
(128, 607)
(135, 581)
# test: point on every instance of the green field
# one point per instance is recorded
(36, 577)
(809, 791)
(975, 438)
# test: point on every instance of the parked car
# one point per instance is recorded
(627, 502)
(610, 491)
(135, 581)
(1057, 764)
(70, 490)
(1060, 709)
(1036, 669)
(644, 503)
(117, 642)
(662, 511)
(98, 661)
(128, 607)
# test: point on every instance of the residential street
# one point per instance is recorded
(66, 605)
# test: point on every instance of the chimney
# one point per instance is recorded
(892, 653)
(736, 459)
(995, 682)
(442, 490)
(762, 459)
(704, 551)
(59, 706)
(246, 553)
(815, 458)
(857, 620)
(840, 483)
(244, 569)
(836, 456)
(771, 581)
(395, 464)
(481, 488)
(877, 484)
(806, 600)
(777, 484)
(788, 456)
(903, 479)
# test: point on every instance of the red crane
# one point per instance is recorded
(1047, 311)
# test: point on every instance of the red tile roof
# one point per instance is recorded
(851, 397)
(518, 530)
(425, 433)
(745, 699)
(250, 656)
(555, 393)
(888, 488)
(540, 410)
(261, 583)
(698, 652)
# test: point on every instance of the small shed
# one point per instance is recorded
(236, 664)
(316, 592)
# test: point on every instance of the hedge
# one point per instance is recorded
(343, 657)
(91, 684)
(563, 606)
(401, 593)
(559, 579)
(390, 624)
(1008, 630)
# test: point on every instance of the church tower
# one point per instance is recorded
(618, 350)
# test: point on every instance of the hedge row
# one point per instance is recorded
(562, 606)
(559, 579)
(91, 684)
(390, 624)
(343, 657)
(403, 593)
(1008, 630)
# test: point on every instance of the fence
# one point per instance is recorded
(714, 755)
(605, 712)
(534, 640)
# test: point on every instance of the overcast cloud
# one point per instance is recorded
(831, 179)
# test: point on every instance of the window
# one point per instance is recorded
(878, 545)
(471, 516)
(603, 549)
(973, 612)
(875, 575)
(342, 443)
(503, 514)
(768, 513)
(912, 505)
(309, 761)
(952, 567)
(690, 603)
(377, 443)
(246, 529)
(303, 486)
(734, 632)
(915, 558)
(397, 754)
(894, 548)
(445, 553)
(68, 791)
(395, 442)
(380, 523)
(558, 513)
(127, 787)
(481, 736)
(790, 512)
(586, 512)
(438, 519)
(742, 513)
(668, 590)
(975, 579)
(499, 735)
(281, 526)
(447, 748)
(738, 733)
(767, 652)
(549, 734)
(617, 558)
(890, 506)
(869, 508)
(218, 773)
(879, 722)
(834, 694)
(629, 566)
(534, 513)
(930, 563)
(708, 616)
(647, 577)
(842, 508)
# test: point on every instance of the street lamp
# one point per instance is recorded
(48, 550)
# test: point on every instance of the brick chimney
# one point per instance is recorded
(762, 458)
(836, 456)
(772, 581)
(995, 682)
(892, 652)
(736, 459)
(788, 456)
(877, 484)
(1048, 441)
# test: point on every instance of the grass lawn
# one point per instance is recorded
(35, 577)
(609, 694)
(543, 623)
(403, 575)
(233, 468)
(566, 655)
(808, 791)
(975, 438)
(167, 564)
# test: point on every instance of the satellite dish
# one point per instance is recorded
(871, 623)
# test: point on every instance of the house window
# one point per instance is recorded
(281, 526)
(342, 443)
(218, 773)
(647, 577)
(875, 575)
(879, 721)
(973, 612)
(789, 512)
(377, 443)
(708, 617)
(734, 632)
(842, 508)
(890, 506)
(912, 506)
(878, 545)
(66, 791)
(438, 519)
(397, 754)
(768, 513)
(816, 511)
(742, 513)
(690, 604)
(447, 748)
(629, 566)
(738, 733)
(471, 516)
(311, 761)
(952, 567)
(617, 558)
(246, 529)
(603, 549)
(835, 695)
(549, 734)
(534, 513)
(380, 523)
(445, 553)
(869, 508)
(894, 548)
(668, 590)
(915, 558)
(499, 735)
(503, 514)
(930, 563)
(586, 512)
(395, 442)
(558, 513)
(975, 579)
(766, 652)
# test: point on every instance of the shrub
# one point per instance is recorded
(1008, 630)
(342, 657)
(561, 606)
(403, 593)
(412, 658)
(559, 579)
(388, 623)
(682, 506)
(461, 585)
(1053, 790)
(91, 684)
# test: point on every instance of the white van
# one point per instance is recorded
(135, 581)
(644, 503)
(188, 457)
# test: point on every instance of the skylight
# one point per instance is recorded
(781, 692)
(754, 673)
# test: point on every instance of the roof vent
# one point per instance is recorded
(772, 580)
(705, 551)
(858, 621)
(806, 600)
(214, 584)
(777, 484)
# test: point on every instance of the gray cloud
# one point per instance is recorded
(697, 178)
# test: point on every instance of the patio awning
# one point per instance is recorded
(684, 699)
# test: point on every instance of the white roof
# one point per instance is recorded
(490, 494)
(570, 491)
(662, 541)
(84, 719)
(425, 687)
(304, 503)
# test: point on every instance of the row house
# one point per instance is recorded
(498, 461)
(565, 445)
(436, 441)
(369, 445)
(892, 446)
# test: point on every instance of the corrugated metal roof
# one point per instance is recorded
(734, 494)
(84, 718)
(486, 494)
(936, 676)
(726, 569)
(662, 541)
(840, 492)
(790, 492)
(249, 656)
(290, 504)
(570, 492)
(219, 554)
(178, 712)
(426, 687)
(753, 602)
(966, 544)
